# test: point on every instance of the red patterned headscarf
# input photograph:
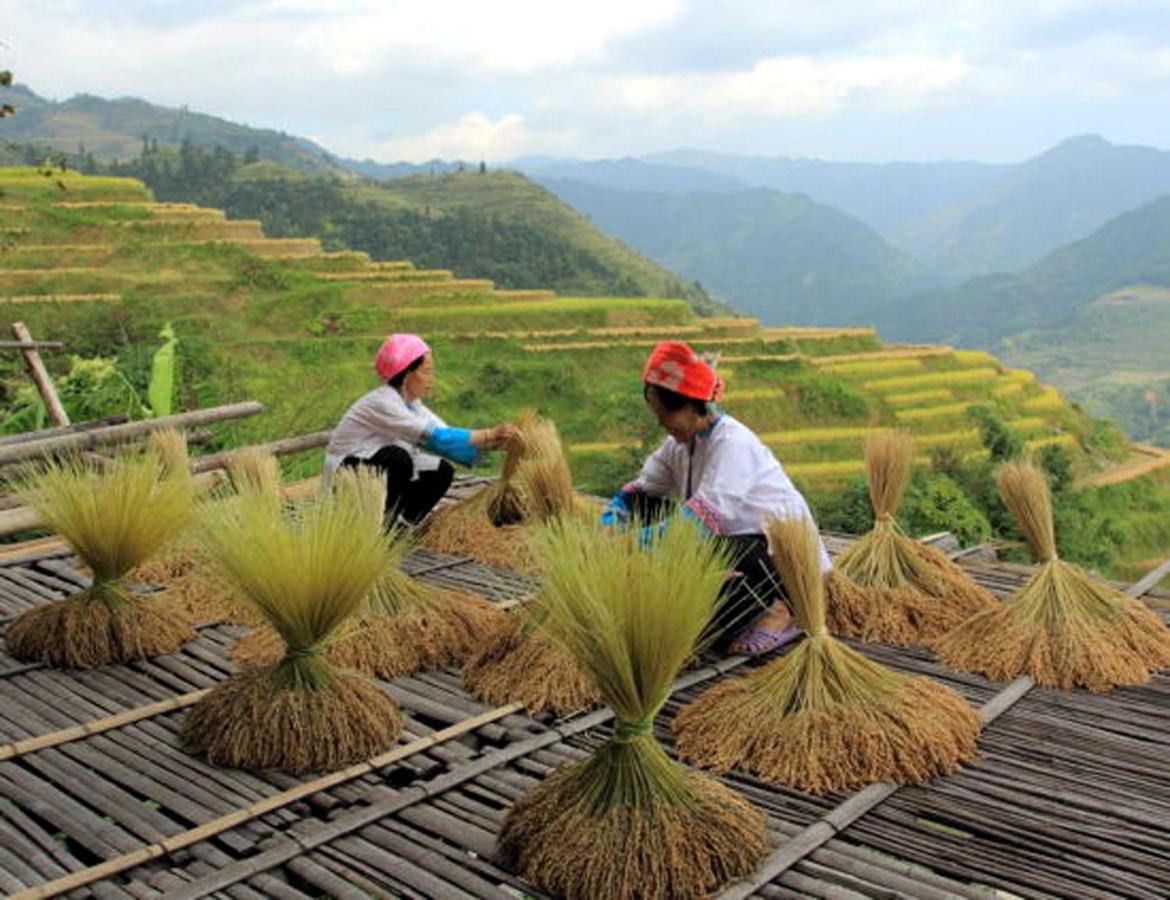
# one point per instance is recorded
(674, 366)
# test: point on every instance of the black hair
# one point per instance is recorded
(396, 381)
(674, 401)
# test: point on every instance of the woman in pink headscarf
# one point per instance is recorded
(390, 429)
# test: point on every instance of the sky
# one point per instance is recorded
(871, 80)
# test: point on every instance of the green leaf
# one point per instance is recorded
(161, 391)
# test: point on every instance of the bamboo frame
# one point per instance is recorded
(216, 826)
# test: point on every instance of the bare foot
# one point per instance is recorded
(772, 630)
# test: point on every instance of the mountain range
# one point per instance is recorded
(1048, 261)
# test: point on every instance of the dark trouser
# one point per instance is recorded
(752, 587)
(410, 499)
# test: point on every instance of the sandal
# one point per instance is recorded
(758, 640)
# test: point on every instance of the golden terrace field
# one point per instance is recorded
(286, 323)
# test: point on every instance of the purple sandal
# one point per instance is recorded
(758, 640)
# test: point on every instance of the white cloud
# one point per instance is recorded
(793, 87)
(476, 136)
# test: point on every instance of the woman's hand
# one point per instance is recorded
(494, 438)
(500, 435)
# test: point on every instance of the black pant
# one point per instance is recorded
(411, 499)
(753, 586)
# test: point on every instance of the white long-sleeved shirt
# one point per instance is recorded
(727, 478)
(379, 419)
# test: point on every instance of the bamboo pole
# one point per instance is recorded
(850, 810)
(238, 817)
(116, 433)
(280, 447)
(40, 375)
(31, 345)
(64, 429)
(97, 726)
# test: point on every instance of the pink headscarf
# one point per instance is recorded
(397, 352)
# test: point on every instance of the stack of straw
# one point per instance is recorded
(628, 821)
(517, 662)
(535, 485)
(402, 626)
(115, 519)
(305, 574)
(1063, 628)
(824, 717)
(888, 587)
(184, 571)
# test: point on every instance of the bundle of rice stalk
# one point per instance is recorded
(909, 593)
(536, 485)
(254, 469)
(115, 519)
(823, 717)
(504, 500)
(184, 571)
(306, 574)
(403, 625)
(517, 662)
(629, 821)
(1063, 628)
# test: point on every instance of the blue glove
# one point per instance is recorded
(652, 534)
(452, 443)
(617, 513)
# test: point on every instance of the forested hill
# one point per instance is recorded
(478, 223)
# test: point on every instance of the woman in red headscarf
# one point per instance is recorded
(727, 482)
(391, 430)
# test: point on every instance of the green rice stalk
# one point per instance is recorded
(628, 821)
(403, 625)
(306, 574)
(914, 593)
(823, 717)
(114, 519)
(1063, 628)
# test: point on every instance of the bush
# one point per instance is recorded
(825, 397)
(1001, 442)
(936, 502)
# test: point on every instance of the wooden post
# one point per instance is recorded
(36, 368)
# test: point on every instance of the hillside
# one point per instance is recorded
(104, 266)
(116, 129)
(886, 196)
(780, 257)
(964, 219)
(1092, 317)
(1058, 197)
(496, 225)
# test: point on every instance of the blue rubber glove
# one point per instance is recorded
(652, 534)
(452, 443)
(617, 513)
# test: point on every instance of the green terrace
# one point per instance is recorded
(280, 320)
